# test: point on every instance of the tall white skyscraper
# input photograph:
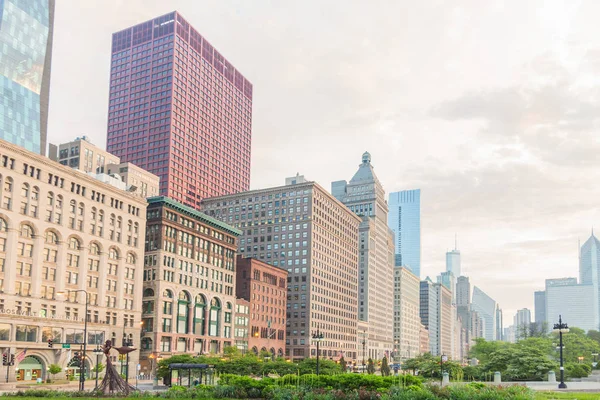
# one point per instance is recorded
(404, 219)
(589, 272)
(364, 195)
(453, 260)
(566, 297)
(522, 318)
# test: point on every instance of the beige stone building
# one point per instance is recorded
(364, 195)
(61, 230)
(81, 154)
(189, 283)
(407, 321)
(304, 229)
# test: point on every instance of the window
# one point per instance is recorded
(26, 231)
(26, 333)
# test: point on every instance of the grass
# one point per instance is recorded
(566, 396)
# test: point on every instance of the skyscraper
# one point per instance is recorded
(364, 195)
(522, 318)
(589, 272)
(407, 324)
(429, 312)
(453, 261)
(564, 296)
(540, 309)
(304, 229)
(180, 110)
(404, 219)
(485, 306)
(448, 279)
(26, 28)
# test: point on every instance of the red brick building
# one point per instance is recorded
(265, 287)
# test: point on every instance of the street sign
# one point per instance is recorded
(66, 345)
(444, 358)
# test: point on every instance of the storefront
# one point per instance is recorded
(30, 369)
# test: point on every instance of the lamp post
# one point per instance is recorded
(561, 328)
(85, 319)
(595, 363)
(317, 337)
(364, 343)
(97, 352)
(443, 359)
(127, 342)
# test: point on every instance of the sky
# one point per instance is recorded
(490, 108)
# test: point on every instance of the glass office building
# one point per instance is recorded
(404, 219)
(25, 54)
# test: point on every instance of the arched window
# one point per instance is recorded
(113, 254)
(72, 206)
(74, 243)
(8, 185)
(94, 249)
(199, 311)
(215, 317)
(3, 234)
(148, 292)
(183, 309)
(168, 294)
(3, 225)
(26, 231)
(130, 258)
(51, 237)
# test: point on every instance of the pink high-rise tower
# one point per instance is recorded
(180, 110)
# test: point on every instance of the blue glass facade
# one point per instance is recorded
(404, 219)
(25, 48)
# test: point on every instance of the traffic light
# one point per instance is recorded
(50, 344)
(5, 359)
(12, 359)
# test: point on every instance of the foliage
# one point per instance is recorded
(483, 349)
(231, 352)
(98, 368)
(574, 370)
(54, 369)
(370, 366)
(532, 329)
(326, 367)
(343, 365)
(385, 368)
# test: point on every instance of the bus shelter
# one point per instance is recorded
(182, 374)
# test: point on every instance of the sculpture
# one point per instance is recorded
(112, 381)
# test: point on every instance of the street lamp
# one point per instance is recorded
(128, 342)
(87, 302)
(317, 337)
(595, 363)
(97, 351)
(443, 359)
(364, 343)
(561, 328)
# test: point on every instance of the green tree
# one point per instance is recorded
(231, 352)
(370, 366)
(98, 368)
(54, 369)
(264, 354)
(385, 368)
(482, 349)
(343, 365)
(326, 367)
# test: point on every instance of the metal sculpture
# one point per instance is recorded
(112, 381)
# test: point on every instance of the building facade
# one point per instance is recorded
(539, 298)
(179, 109)
(446, 324)
(81, 154)
(429, 312)
(485, 306)
(448, 279)
(189, 282)
(404, 219)
(571, 300)
(364, 195)
(453, 262)
(589, 273)
(304, 229)
(65, 237)
(241, 328)
(522, 318)
(26, 30)
(265, 288)
(407, 321)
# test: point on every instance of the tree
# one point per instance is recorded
(370, 366)
(483, 349)
(385, 368)
(264, 354)
(231, 352)
(54, 369)
(326, 367)
(343, 365)
(98, 368)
